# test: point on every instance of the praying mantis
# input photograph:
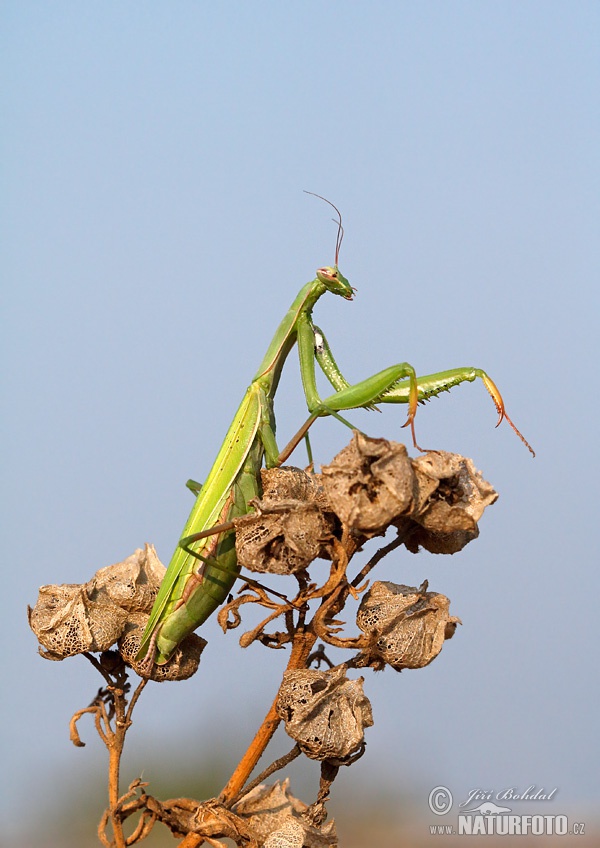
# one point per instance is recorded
(204, 567)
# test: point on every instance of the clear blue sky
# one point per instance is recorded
(154, 232)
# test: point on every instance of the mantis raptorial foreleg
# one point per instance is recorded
(428, 386)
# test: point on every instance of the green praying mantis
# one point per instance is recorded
(204, 566)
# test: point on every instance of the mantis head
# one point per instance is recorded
(334, 281)
(331, 277)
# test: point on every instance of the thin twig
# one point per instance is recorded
(275, 766)
(134, 698)
(376, 558)
(98, 666)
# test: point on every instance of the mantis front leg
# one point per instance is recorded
(427, 387)
(361, 395)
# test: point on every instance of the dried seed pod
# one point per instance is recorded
(269, 810)
(450, 497)
(325, 712)
(133, 584)
(66, 623)
(289, 835)
(370, 482)
(73, 618)
(183, 664)
(289, 528)
(291, 483)
(283, 538)
(407, 625)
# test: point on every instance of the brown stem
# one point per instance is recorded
(303, 643)
(192, 840)
(115, 749)
(301, 649)
(115, 742)
(114, 758)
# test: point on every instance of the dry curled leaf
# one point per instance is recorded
(325, 713)
(407, 626)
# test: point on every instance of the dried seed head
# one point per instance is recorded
(435, 501)
(113, 606)
(64, 623)
(289, 528)
(407, 625)
(270, 812)
(325, 713)
(289, 835)
(73, 618)
(283, 538)
(370, 482)
(132, 584)
(291, 483)
(450, 497)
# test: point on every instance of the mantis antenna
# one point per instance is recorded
(340, 233)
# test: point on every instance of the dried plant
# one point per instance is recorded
(433, 502)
